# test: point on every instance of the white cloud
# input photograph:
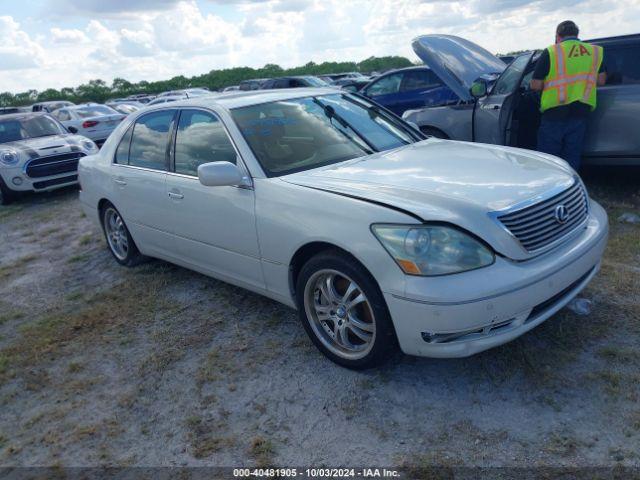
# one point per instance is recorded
(67, 36)
(78, 40)
(17, 49)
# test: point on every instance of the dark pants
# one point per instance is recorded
(563, 138)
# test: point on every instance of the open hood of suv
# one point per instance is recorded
(458, 62)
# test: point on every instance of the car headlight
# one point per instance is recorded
(9, 157)
(430, 250)
(89, 145)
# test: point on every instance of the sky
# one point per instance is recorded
(63, 43)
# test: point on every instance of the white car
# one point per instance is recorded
(50, 106)
(326, 203)
(92, 120)
(38, 154)
(166, 99)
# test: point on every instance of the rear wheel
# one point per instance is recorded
(119, 240)
(344, 312)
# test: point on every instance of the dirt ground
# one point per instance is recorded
(157, 365)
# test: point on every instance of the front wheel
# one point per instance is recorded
(344, 312)
(6, 195)
(118, 238)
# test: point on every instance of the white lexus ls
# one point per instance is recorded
(325, 202)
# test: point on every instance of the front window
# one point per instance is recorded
(510, 78)
(15, 129)
(201, 138)
(299, 134)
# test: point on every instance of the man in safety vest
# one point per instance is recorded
(567, 74)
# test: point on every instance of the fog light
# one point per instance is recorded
(17, 180)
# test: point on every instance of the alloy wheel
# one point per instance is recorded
(116, 233)
(340, 314)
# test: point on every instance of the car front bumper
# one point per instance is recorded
(16, 180)
(463, 314)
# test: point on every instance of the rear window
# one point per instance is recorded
(97, 111)
(419, 80)
(149, 141)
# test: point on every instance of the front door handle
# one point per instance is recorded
(120, 181)
(176, 195)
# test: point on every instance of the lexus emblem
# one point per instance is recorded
(561, 214)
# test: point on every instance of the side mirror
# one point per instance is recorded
(414, 125)
(478, 89)
(72, 130)
(220, 174)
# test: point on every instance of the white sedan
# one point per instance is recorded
(329, 204)
(92, 120)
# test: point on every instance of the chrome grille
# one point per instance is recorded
(537, 226)
(53, 165)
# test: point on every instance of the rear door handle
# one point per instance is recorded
(176, 195)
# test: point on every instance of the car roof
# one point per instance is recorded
(620, 39)
(239, 98)
(21, 115)
(49, 102)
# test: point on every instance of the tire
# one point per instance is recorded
(335, 321)
(6, 195)
(434, 132)
(118, 238)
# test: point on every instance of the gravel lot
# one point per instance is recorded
(157, 365)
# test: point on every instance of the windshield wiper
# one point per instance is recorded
(331, 114)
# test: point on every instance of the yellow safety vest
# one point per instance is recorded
(573, 74)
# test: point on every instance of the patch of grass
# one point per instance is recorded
(262, 450)
(75, 367)
(8, 313)
(17, 265)
(612, 381)
(49, 230)
(204, 438)
(85, 239)
(8, 211)
(80, 257)
(73, 296)
(114, 310)
(562, 444)
(619, 354)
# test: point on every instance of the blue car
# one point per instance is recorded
(409, 88)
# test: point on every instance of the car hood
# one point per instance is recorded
(458, 62)
(446, 181)
(43, 146)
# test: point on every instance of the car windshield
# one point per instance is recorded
(15, 129)
(316, 82)
(299, 134)
(94, 111)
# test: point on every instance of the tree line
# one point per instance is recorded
(100, 91)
